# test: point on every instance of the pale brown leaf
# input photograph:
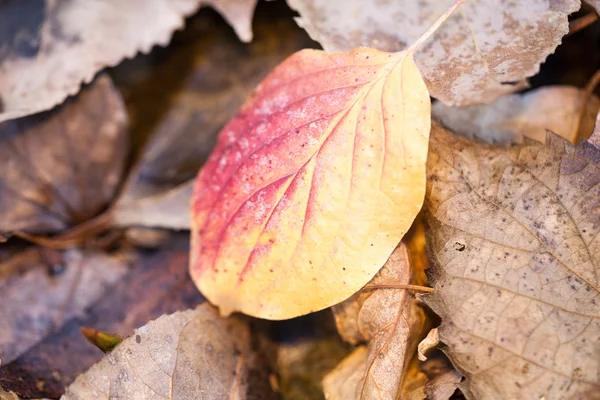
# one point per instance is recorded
(473, 57)
(391, 321)
(193, 354)
(515, 116)
(341, 383)
(515, 237)
(430, 342)
(53, 46)
(34, 301)
(62, 167)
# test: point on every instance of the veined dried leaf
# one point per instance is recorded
(62, 167)
(512, 117)
(391, 321)
(190, 354)
(312, 184)
(472, 58)
(516, 243)
(53, 46)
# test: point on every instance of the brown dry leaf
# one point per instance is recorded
(473, 58)
(514, 116)
(186, 355)
(443, 380)
(61, 167)
(53, 46)
(34, 300)
(430, 342)
(391, 321)
(155, 283)
(515, 236)
(182, 113)
(341, 383)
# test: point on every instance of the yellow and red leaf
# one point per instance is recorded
(312, 184)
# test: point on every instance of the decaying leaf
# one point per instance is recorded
(473, 58)
(33, 299)
(51, 47)
(154, 283)
(312, 184)
(516, 243)
(514, 116)
(341, 383)
(392, 323)
(61, 167)
(430, 342)
(442, 379)
(190, 354)
(182, 113)
(168, 209)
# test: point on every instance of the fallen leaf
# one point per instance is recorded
(52, 47)
(182, 113)
(442, 379)
(514, 237)
(430, 342)
(186, 355)
(515, 116)
(62, 167)
(473, 58)
(33, 298)
(168, 209)
(341, 383)
(312, 184)
(392, 323)
(154, 283)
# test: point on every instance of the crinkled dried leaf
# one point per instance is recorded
(52, 47)
(430, 342)
(34, 301)
(61, 167)
(182, 113)
(312, 184)
(515, 238)
(154, 283)
(473, 57)
(391, 321)
(512, 117)
(187, 355)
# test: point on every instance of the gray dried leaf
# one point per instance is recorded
(193, 354)
(515, 116)
(515, 239)
(62, 167)
(475, 55)
(33, 300)
(50, 47)
(169, 209)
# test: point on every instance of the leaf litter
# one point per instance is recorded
(168, 161)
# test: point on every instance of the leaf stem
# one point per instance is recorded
(399, 286)
(435, 25)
